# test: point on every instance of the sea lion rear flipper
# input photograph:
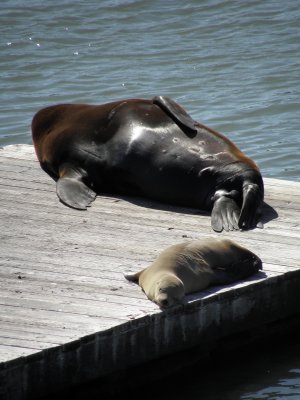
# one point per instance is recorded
(72, 191)
(240, 270)
(225, 214)
(251, 207)
(175, 111)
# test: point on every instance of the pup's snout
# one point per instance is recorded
(164, 303)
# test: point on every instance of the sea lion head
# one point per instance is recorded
(169, 290)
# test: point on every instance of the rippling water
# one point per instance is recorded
(234, 65)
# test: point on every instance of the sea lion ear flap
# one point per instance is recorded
(72, 191)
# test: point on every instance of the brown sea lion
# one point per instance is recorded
(151, 148)
(193, 266)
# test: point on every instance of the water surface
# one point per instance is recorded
(233, 65)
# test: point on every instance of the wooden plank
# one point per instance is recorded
(55, 318)
(37, 332)
(11, 352)
(170, 224)
(31, 343)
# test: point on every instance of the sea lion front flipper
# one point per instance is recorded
(252, 207)
(175, 111)
(72, 191)
(133, 277)
(225, 214)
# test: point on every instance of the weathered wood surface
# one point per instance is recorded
(66, 312)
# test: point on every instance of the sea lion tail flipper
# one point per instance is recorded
(72, 191)
(225, 214)
(176, 112)
(240, 270)
(251, 208)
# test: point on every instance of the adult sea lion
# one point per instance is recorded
(151, 148)
(193, 266)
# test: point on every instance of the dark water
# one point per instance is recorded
(268, 368)
(263, 372)
(234, 65)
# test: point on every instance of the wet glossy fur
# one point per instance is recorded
(151, 148)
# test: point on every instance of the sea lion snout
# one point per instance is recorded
(169, 291)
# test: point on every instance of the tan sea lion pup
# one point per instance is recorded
(193, 266)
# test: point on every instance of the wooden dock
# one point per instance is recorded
(67, 315)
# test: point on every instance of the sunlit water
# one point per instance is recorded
(234, 65)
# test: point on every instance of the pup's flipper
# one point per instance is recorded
(132, 277)
(238, 271)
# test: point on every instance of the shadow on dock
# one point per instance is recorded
(268, 214)
(215, 290)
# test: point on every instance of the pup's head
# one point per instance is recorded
(169, 290)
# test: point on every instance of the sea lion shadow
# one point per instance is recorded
(268, 212)
(216, 290)
(157, 205)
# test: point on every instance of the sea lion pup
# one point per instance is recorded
(150, 148)
(193, 266)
